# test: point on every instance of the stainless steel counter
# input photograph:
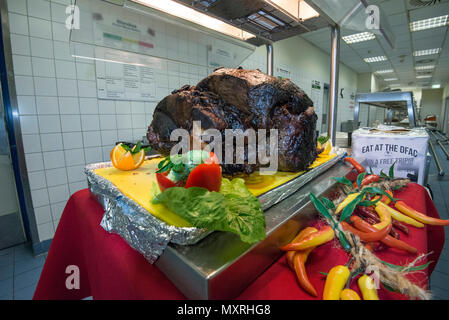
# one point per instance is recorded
(221, 266)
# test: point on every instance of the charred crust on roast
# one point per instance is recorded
(242, 99)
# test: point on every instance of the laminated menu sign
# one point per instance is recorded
(379, 148)
(125, 75)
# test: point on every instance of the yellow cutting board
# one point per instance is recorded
(137, 185)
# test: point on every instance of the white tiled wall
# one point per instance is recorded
(64, 125)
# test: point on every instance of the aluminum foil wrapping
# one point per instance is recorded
(141, 230)
(150, 235)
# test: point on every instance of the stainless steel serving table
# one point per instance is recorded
(221, 266)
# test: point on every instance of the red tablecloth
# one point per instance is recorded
(110, 269)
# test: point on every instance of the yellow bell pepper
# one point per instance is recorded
(366, 286)
(401, 217)
(346, 201)
(349, 294)
(335, 282)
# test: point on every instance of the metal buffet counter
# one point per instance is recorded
(221, 266)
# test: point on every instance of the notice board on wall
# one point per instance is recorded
(126, 76)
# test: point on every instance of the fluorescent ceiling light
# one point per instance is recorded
(375, 59)
(425, 67)
(358, 37)
(423, 77)
(384, 71)
(436, 86)
(173, 8)
(425, 24)
(298, 10)
(426, 52)
(391, 79)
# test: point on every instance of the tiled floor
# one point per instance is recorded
(20, 270)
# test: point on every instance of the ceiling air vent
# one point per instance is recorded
(423, 3)
(425, 61)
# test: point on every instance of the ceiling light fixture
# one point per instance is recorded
(436, 86)
(375, 59)
(298, 10)
(425, 24)
(384, 71)
(359, 37)
(391, 79)
(181, 11)
(425, 67)
(426, 52)
(423, 77)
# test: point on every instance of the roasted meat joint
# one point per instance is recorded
(242, 101)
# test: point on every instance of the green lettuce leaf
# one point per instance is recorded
(233, 209)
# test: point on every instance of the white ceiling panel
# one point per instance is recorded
(429, 11)
(398, 19)
(400, 58)
(393, 7)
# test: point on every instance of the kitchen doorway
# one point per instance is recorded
(11, 225)
(326, 101)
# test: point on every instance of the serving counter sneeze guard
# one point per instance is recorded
(388, 100)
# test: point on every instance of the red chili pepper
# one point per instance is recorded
(371, 178)
(355, 164)
(400, 226)
(205, 176)
(388, 240)
(371, 236)
(393, 232)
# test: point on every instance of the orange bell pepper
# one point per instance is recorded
(324, 235)
(412, 213)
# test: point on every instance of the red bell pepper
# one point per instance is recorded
(205, 176)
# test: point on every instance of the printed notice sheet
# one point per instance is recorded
(125, 76)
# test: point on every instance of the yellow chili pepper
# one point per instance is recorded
(335, 282)
(401, 217)
(326, 234)
(384, 215)
(346, 201)
(412, 213)
(366, 286)
(349, 294)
